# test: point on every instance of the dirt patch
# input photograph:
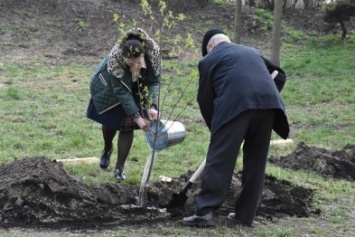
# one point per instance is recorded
(38, 191)
(338, 164)
(78, 30)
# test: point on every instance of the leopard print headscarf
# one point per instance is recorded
(152, 49)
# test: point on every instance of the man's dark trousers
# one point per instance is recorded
(255, 128)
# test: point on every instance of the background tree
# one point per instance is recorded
(300, 4)
(238, 21)
(276, 32)
(252, 3)
(339, 12)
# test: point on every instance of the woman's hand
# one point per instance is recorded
(153, 113)
(142, 124)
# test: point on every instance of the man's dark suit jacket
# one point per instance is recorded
(235, 78)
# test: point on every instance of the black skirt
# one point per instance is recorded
(114, 118)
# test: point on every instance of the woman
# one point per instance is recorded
(124, 93)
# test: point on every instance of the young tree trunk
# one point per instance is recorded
(238, 21)
(343, 28)
(276, 32)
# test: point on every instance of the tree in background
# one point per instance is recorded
(339, 11)
(251, 3)
(276, 32)
(290, 4)
(238, 21)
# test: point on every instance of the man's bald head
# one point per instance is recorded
(218, 38)
(215, 40)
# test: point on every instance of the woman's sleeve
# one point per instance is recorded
(123, 92)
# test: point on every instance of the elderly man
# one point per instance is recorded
(239, 101)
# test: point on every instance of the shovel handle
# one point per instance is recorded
(274, 74)
(198, 172)
(193, 177)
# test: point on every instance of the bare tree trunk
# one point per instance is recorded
(343, 28)
(238, 22)
(276, 32)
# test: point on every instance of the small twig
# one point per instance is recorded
(181, 96)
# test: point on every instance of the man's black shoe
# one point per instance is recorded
(199, 221)
(231, 216)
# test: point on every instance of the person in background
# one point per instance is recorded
(124, 94)
(239, 101)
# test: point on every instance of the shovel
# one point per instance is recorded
(180, 198)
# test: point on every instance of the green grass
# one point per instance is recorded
(320, 91)
(2, 29)
(42, 113)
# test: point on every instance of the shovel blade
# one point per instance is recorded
(178, 200)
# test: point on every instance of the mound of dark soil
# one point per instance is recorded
(38, 191)
(338, 164)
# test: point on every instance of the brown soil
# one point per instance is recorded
(39, 192)
(62, 30)
(336, 164)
